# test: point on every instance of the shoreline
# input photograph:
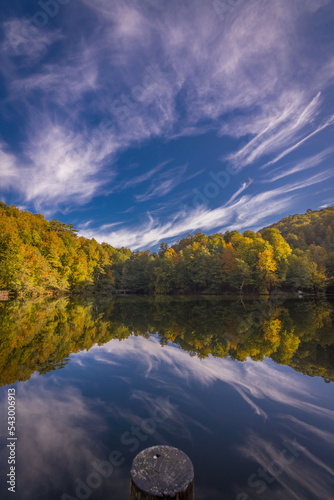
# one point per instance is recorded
(10, 295)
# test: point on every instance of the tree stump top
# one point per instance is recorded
(162, 471)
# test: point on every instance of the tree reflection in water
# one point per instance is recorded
(40, 335)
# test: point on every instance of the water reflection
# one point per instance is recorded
(232, 418)
(40, 335)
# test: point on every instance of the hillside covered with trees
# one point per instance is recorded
(38, 256)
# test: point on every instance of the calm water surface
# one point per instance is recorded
(243, 387)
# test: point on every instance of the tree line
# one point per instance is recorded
(37, 255)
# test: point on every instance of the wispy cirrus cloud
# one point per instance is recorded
(8, 167)
(163, 183)
(280, 131)
(135, 181)
(22, 39)
(299, 166)
(61, 83)
(56, 166)
(289, 150)
(249, 78)
(63, 166)
(247, 211)
(243, 187)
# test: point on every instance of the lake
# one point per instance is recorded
(243, 387)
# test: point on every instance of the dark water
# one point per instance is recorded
(243, 387)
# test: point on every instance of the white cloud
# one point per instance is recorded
(64, 167)
(62, 82)
(327, 204)
(239, 214)
(8, 168)
(244, 186)
(163, 183)
(218, 67)
(279, 132)
(135, 181)
(22, 38)
(289, 150)
(246, 76)
(299, 166)
(58, 169)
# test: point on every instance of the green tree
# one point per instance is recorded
(298, 273)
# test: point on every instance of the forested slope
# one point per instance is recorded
(316, 227)
(37, 255)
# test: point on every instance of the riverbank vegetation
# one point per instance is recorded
(39, 256)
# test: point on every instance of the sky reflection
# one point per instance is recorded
(231, 418)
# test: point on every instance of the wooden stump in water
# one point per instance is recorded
(162, 472)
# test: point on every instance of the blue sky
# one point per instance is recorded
(143, 120)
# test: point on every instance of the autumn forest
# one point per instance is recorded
(39, 256)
